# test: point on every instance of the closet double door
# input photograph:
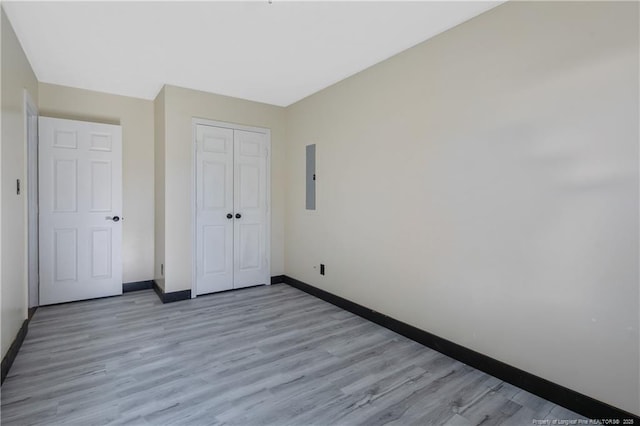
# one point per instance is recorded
(232, 208)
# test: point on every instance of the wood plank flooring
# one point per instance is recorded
(269, 355)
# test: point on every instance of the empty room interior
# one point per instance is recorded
(320, 213)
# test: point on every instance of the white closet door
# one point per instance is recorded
(232, 220)
(80, 203)
(214, 205)
(250, 201)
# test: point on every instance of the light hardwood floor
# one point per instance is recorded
(269, 355)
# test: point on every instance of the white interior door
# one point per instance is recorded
(232, 221)
(250, 206)
(80, 202)
(214, 209)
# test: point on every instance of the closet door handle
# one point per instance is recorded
(238, 215)
(229, 215)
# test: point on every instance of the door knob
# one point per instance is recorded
(114, 218)
(238, 215)
(229, 215)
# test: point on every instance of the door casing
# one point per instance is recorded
(31, 135)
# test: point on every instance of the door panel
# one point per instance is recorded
(65, 138)
(100, 142)
(65, 198)
(80, 190)
(215, 249)
(249, 186)
(100, 189)
(249, 247)
(214, 143)
(101, 253)
(66, 254)
(250, 196)
(249, 145)
(214, 183)
(214, 200)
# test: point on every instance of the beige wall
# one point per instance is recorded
(483, 186)
(17, 75)
(136, 116)
(159, 148)
(181, 105)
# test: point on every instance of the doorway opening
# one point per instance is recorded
(31, 136)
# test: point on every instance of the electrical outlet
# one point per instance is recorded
(322, 269)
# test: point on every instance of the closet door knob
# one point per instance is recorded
(238, 215)
(229, 215)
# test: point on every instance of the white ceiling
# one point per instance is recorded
(275, 53)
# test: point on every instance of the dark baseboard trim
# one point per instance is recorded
(277, 279)
(174, 296)
(31, 312)
(158, 290)
(137, 285)
(572, 400)
(8, 359)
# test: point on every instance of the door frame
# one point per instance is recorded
(195, 121)
(31, 200)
